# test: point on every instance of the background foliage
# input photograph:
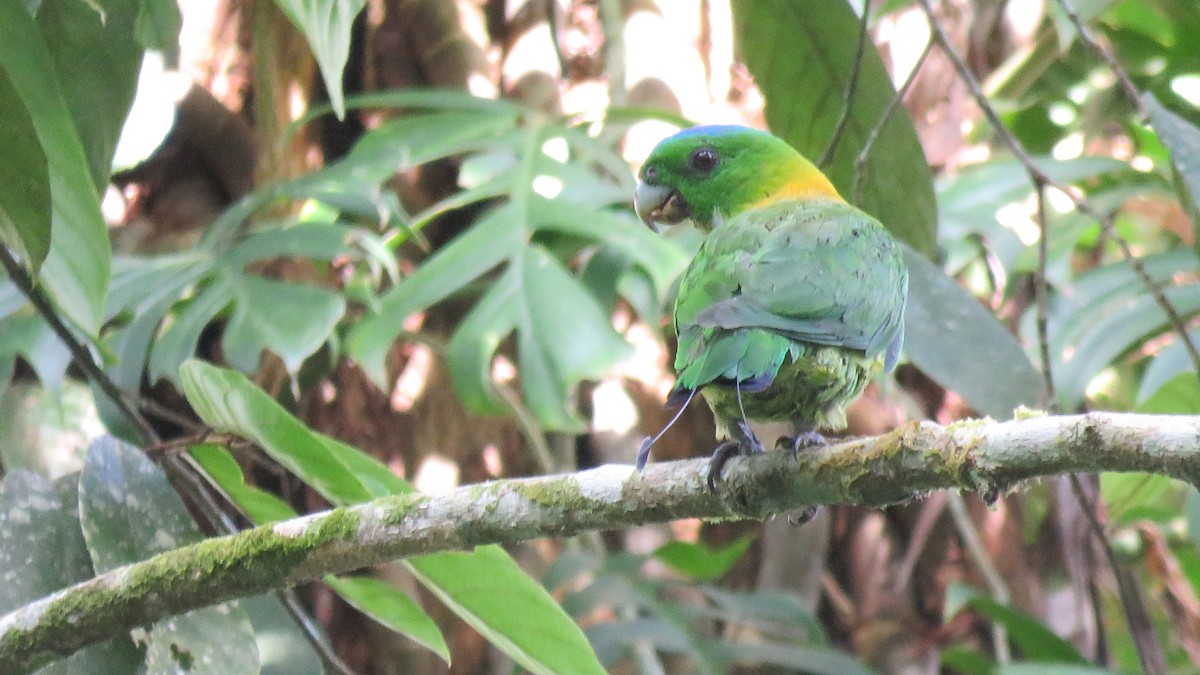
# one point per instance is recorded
(340, 247)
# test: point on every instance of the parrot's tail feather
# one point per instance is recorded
(679, 395)
(648, 442)
(749, 385)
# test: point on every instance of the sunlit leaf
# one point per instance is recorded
(326, 25)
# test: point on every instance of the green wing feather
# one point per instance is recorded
(772, 279)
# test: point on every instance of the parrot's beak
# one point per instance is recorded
(659, 204)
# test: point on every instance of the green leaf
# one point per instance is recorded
(76, 269)
(43, 547)
(700, 563)
(494, 596)
(228, 402)
(1137, 496)
(967, 661)
(1032, 637)
(1111, 313)
(44, 552)
(211, 641)
(785, 44)
(24, 182)
(815, 660)
(130, 512)
(326, 25)
(1182, 139)
(97, 60)
(1168, 364)
(1086, 10)
(292, 320)
(969, 201)
(261, 506)
(945, 332)
(31, 338)
(1178, 396)
(392, 608)
(483, 587)
(158, 25)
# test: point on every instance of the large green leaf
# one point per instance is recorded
(488, 590)
(129, 513)
(1182, 139)
(698, 562)
(24, 181)
(44, 552)
(802, 57)
(228, 402)
(540, 636)
(1110, 312)
(76, 269)
(158, 24)
(292, 320)
(1032, 637)
(392, 608)
(97, 60)
(960, 344)
(326, 25)
(562, 333)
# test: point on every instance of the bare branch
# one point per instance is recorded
(908, 462)
(1123, 78)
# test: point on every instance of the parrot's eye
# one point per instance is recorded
(703, 160)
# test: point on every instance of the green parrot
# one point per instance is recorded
(793, 303)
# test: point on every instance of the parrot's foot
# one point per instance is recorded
(799, 442)
(803, 516)
(748, 444)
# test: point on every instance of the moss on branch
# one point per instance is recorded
(911, 461)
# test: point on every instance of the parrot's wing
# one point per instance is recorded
(821, 272)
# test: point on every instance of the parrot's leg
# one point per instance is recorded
(746, 444)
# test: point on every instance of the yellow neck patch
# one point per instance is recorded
(807, 182)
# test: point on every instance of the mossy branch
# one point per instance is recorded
(985, 456)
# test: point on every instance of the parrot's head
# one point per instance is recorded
(708, 173)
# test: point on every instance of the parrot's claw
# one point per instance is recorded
(803, 516)
(799, 442)
(750, 443)
(724, 452)
(727, 450)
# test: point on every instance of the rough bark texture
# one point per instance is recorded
(917, 458)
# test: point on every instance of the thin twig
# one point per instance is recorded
(1038, 175)
(1149, 652)
(79, 351)
(860, 164)
(851, 89)
(1041, 293)
(1123, 78)
(979, 555)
